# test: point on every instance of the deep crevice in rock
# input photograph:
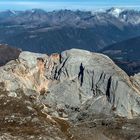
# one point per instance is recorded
(108, 94)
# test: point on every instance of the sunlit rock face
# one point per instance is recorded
(76, 81)
(22, 73)
(92, 83)
(21, 83)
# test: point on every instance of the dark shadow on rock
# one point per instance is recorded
(108, 89)
(81, 74)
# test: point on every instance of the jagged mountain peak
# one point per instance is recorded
(38, 11)
(129, 16)
(115, 11)
(12, 11)
(121, 14)
(7, 14)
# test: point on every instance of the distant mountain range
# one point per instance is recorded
(47, 32)
(68, 17)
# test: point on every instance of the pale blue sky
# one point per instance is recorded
(67, 4)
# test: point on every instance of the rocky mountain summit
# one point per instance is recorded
(46, 97)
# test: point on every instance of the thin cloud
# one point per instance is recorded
(61, 5)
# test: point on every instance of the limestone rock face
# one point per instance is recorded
(19, 74)
(92, 81)
(31, 58)
(21, 83)
(74, 83)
